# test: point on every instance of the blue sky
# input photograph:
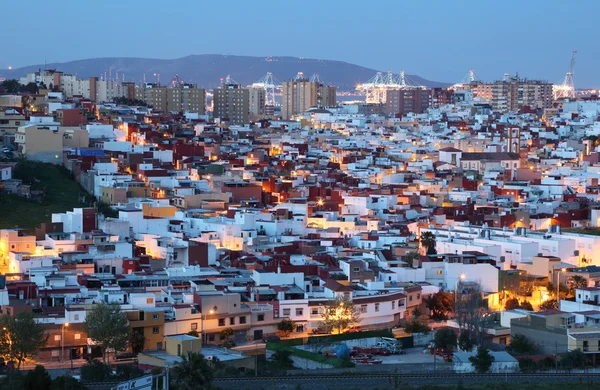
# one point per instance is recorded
(439, 40)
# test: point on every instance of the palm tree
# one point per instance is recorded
(194, 372)
(428, 241)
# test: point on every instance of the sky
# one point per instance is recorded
(437, 39)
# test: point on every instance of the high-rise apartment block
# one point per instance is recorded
(184, 98)
(257, 101)
(231, 101)
(513, 93)
(301, 94)
(405, 100)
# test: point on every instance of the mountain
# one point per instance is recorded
(206, 69)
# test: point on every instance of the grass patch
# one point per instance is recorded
(62, 193)
(315, 357)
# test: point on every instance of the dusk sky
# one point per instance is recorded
(438, 40)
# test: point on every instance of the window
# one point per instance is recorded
(149, 301)
(419, 296)
(410, 298)
(77, 336)
(242, 320)
(55, 353)
(286, 312)
(439, 272)
(299, 312)
(393, 305)
(377, 307)
(211, 337)
(314, 312)
(76, 317)
(231, 320)
(221, 321)
(363, 308)
(155, 316)
(261, 317)
(585, 346)
(194, 326)
(155, 330)
(56, 337)
(400, 304)
(355, 269)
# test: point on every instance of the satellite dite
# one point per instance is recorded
(143, 383)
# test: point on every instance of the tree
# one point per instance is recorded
(95, 371)
(572, 359)
(11, 86)
(511, 304)
(225, 337)
(410, 257)
(445, 338)
(108, 327)
(193, 372)
(286, 326)
(416, 325)
(521, 344)
(193, 333)
(137, 340)
(281, 358)
(439, 305)
(575, 282)
(31, 88)
(550, 304)
(526, 305)
(21, 337)
(464, 340)
(482, 362)
(339, 313)
(37, 379)
(428, 241)
(471, 315)
(527, 365)
(67, 383)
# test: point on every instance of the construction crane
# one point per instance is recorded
(177, 82)
(270, 84)
(566, 90)
(468, 79)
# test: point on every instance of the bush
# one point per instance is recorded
(95, 371)
(520, 344)
(527, 365)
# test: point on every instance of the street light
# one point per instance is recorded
(62, 340)
(203, 334)
(558, 286)
(460, 278)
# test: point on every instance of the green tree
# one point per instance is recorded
(572, 359)
(526, 305)
(440, 305)
(482, 362)
(416, 325)
(128, 371)
(11, 86)
(31, 88)
(193, 372)
(95, 371)
(521, 345)
(225, 337)
(428, 241)
(281, 358)
(550, 304)
(339, 313)
(445, 338)
(527, 365)
(193, 333)
(511, 304)
(67, 383)
(37, 379)
(410, 257)
(286, 326)
(21, 337)
(137, 340)
(108, 327)
(464, 340)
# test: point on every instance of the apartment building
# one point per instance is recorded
(46, 145)
(184, 98)
(301, 94)
(404, 101)
(232, 102)
(513, 93)
(256, 101)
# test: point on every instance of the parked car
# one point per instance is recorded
(319, 331)
(126, 356)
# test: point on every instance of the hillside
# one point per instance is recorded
(206, 70)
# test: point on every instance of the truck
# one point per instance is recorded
(391, 344)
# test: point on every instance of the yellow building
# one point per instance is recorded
(12, 240)
(158, 211)
(46, 145)
(151, 324)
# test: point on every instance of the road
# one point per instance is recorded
(349, 382)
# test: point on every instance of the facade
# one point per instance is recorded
(184, 98)
(46, 145)
(513, 93)
(301, 94)
(232, 102)
(404, 101)
(256, 99)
